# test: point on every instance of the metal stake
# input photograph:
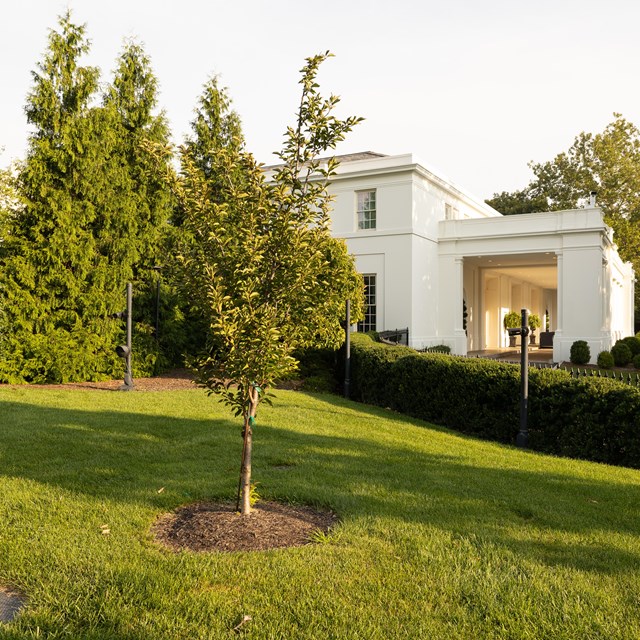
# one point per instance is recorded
(522, 439)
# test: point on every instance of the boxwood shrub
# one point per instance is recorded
(621, 354)
(580, 352)
(633, 343)
(590, 418)
(605, 360)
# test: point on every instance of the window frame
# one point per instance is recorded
(370, 320)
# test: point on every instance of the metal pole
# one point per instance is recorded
(522, 439)
(128, 379)
(347, 358)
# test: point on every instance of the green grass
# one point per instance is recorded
(441, 536)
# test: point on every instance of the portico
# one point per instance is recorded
(561, 263)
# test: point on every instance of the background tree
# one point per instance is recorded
(259, 260)
(518, 202)
(49, 250)
(606, 162)
(133, 97)
(216, 126)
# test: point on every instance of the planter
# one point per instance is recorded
(546, 339)
(532, 338)
(512, 341)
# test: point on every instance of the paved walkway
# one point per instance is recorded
(10, 604)
(513, 355)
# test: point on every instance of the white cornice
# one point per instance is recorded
(388, 165)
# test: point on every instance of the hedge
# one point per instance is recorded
(590, 418)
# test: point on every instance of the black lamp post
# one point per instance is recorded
(522, 439)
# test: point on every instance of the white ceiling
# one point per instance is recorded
(538, 268)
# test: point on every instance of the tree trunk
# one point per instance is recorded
(245, 471)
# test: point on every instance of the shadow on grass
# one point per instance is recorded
(119, 455)
(379, 477)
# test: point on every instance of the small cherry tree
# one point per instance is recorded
(258, 261)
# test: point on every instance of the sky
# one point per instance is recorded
(476, 89)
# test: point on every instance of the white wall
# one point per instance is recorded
(402, 250)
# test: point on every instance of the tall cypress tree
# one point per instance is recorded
(133, 98)
(215, 127)
(145, 206)
(49, 259)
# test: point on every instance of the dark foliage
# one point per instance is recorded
(621, 354)
(590, 418)
(605, 360)
(580, 352)
(633, 342)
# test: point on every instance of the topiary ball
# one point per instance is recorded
(580, 352)
(636, 361)
(605, 360)
(621, 354)
(633, 343)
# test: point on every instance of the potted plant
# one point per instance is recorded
(512, 321)
(546, 336)
(534, 323)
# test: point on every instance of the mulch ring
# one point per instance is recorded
(206, 526)
(171, 381)
(11, 602)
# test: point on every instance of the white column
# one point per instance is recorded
(560, 294)
(450, 295)
(459, 289)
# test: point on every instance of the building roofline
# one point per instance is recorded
(354, 165)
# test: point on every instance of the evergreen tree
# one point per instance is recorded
(76, 239)
(216, 126)
(145, 206)
(133, 96)
(49, 254)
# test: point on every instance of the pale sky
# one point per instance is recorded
(474, 88)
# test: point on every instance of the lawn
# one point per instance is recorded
(441, 536)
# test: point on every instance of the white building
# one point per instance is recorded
(428, 250)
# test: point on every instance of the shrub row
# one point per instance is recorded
(594, 419)
(622, 353)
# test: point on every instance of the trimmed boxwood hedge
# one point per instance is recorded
(590, 418)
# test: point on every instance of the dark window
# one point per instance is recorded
(369, 322)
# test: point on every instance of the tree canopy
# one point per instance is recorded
(607, 163)
(258, 258)
(86, 215)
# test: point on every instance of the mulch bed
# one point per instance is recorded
(172, 381)
(206, 526)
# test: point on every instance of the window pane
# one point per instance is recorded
(366, 209)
